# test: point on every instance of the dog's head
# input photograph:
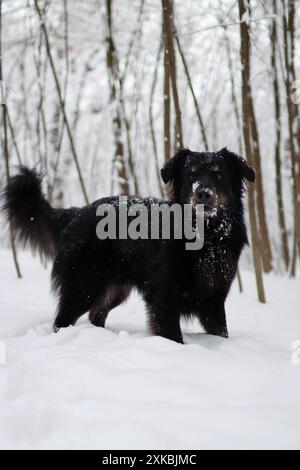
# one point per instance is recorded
(212, 179)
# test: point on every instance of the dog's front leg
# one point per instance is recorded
(213, 317)
(165, 322)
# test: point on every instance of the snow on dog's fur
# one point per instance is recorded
(96, 275)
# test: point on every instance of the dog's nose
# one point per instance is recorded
(204, 195)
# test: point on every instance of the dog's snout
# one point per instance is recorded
(204, 195)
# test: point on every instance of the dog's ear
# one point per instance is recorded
(240, 164)
(174, 166)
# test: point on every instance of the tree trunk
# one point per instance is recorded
(247, 116)
(167, 6)
(289, 34)
(167, 101)
(278, 134)
(5, 143)
(114, 82)
(264, 239)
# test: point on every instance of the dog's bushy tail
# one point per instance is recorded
(32, 219)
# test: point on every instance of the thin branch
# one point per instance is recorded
(5, 144)
(13, 136)
(151, 120)
(62, 105)
(189, 79)
(222, 25)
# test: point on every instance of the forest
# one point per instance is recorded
(97, 102)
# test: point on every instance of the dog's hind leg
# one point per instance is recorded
(77, 286)
(71, 306)
(110, 298)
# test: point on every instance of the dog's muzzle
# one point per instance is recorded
(205, 196)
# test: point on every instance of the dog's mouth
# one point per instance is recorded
(210, 200)
(210, 210)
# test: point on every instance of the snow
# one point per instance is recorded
(195, 186)
(118, 387)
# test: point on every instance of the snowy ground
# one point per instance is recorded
(121, 388)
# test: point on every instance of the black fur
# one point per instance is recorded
(31, 217)
(96, 276)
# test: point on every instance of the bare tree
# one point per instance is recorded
(233, 86)
(166, 97)
(168, 20)
(264, 238)
(151, 118)
(134, 37)
(41, 67)
(5, 143)
(114, 85)
(278, 141)
(195, 101)
(288, 8)
(249, 144)
(57, 143)
(13, 136)
(61, 101)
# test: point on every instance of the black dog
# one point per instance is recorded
(96, 275)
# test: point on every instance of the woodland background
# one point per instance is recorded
(98, 94)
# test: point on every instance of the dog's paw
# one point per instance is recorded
(223, 333)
